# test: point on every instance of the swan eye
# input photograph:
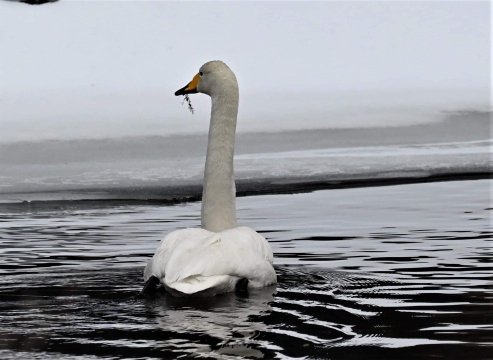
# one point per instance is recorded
(201, 73)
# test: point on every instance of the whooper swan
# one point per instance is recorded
(219, 257)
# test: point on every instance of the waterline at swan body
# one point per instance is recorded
(219, 256)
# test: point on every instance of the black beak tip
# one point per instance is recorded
(180, 92)
(183, 91)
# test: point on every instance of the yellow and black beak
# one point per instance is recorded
(190, 88)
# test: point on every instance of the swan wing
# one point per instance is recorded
(176, 241)
(193, 260)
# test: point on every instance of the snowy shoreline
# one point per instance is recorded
(191, 193)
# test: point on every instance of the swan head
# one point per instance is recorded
(213, 78)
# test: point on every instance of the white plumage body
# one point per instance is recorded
(201, 262)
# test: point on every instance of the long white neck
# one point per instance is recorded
(219, 194)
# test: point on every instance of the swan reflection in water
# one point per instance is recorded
(224, 324)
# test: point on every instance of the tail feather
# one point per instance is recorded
(198, 283)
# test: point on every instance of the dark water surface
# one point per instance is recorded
(397, 272)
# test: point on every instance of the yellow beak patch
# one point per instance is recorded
(190, 88)
(193, 84)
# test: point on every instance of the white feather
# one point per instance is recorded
(193, 260)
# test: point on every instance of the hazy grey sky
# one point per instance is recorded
(109, 68)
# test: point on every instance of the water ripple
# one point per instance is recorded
(397, 272)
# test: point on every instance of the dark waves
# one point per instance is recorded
(316, 313)
(398, 272)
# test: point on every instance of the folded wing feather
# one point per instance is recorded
(194, 259)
